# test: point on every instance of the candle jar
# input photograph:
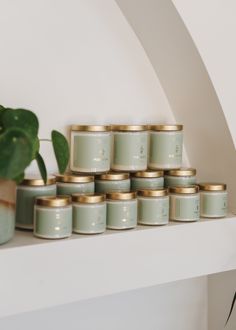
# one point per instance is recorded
(90, 149)
(184, 203)
(109, 182)
(53, 217)
(166, 143)
(26, 193)
(68, 184)
(129, 147)
(89, 214)
(153, 207)
(213, 197)
(147, 180)
(180, 177)
(121, 210)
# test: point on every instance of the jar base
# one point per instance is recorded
(88, 233)
(163, 167)
(185, 220)
(118, 228)
(24, 227)
(152, 223)
(213, 216)
(51, 237)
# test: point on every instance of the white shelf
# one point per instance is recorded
(39, 273)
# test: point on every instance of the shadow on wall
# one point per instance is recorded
(188, 88)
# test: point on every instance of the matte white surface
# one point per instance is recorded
(156, 308)
(58, 272)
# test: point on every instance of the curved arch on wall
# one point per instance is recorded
(188, 88)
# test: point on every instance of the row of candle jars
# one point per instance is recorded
(97, 149)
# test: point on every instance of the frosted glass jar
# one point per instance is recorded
(121, 210)
(214, 200)
(26, 193)
(90, 149)
(180, 177)
(166, 144)
(89, 214)
(130, 144)
(53, 217)
(109, 182)
(68, 184)
(153, 207)
(184, 203)
(147, 180)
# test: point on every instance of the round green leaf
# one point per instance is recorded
(21, 118)
(16, 153)
(61, 150)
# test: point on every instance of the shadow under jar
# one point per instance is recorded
(53, 217)
(26, 193)
(184, 203)
(129, 147)
(147, 180)
(90, 149)
(110, 182)
(166, 145)
(121, 210)
(89, 214)
(180, 177)
(214, 200)
(68, 184)
(153, 207)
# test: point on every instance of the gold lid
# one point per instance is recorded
(129, 128)
(71, 178)
(182, 172)
(121, 195)
(53, 201)
(36, 181)
(91, 128)
(153, 193)
(113, 176)
(184, 189)
(212, 186)
(96, 198)
(148, 174)
(175, 127)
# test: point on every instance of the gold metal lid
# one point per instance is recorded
(53, 201)
(153, 193)
(148, 174)
(113, 176)
(72, 178)
(182, 172)
(175, 127)
(129, 128)
(91, 128)
(212, 186)
(96, 198)
(36, 181)
(184, 189)
(121, 195)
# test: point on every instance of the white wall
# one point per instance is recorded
(78, 61)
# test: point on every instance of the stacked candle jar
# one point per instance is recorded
(120, 175)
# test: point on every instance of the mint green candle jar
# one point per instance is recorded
(153, 207)
(130, 144)
(180, 177)
(68, 184)
(121, 210)
(89, 214)
(110, 182)
(214, 200)
(90, 149)
(147, 180)
(184, 203)
(166, 143)
(53, 217)
(26, 193)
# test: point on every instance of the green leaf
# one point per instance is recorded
(16, 153)
(61, 150)
(19, 178)
(231, 308)
(21, 118)
(42, 167)
(36, 146)
(2, 110)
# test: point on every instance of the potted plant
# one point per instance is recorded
(19, 146)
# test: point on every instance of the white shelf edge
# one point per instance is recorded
(38, 274)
